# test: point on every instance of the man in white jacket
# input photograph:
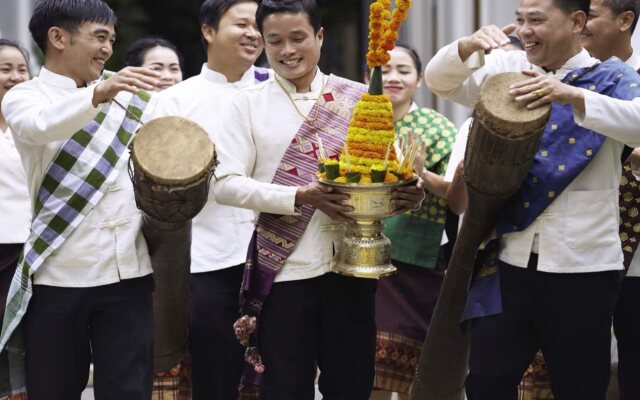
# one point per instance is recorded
(559, 252)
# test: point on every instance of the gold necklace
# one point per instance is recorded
(310, 121)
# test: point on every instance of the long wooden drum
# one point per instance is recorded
(172, 160)
(503, 139)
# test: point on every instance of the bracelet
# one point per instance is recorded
(419, 206)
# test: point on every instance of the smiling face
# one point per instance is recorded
(603, 30)
(400, 78)
(237, 40)
(549, 36)
(292, 47)
(85, 51)
(165, 61)
(13, 69)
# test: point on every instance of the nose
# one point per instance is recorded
(392, 76)
(16, 76)
(287, 49)
(107, 49)
(252, 33)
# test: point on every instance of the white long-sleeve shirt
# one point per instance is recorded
(108, 245)
(221, 234)
(578, 232)
(260, 125)
(15, 206)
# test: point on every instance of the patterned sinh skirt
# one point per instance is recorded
(535, 383)
(404, 305)
(174, 384)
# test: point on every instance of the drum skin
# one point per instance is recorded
(172, 161)
(503, 140)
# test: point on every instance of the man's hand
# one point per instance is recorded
(486, 38)
(405, 198)
(321, 197)
(129, 79)
(541, 90)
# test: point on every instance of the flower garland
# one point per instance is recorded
(383, 29)
(369, 154)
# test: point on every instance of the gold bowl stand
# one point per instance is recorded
(365, 251)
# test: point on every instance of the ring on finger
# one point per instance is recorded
(539, 92)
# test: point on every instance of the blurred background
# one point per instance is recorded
(430, 25)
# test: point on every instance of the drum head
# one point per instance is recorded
(173, 151)
(501, 113)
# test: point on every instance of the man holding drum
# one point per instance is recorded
(91, 293)
(607, 34)
(311, 318)
(558, 266)
(221, 234)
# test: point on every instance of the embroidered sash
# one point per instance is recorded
(276, 236)
(80, 174)
(260, 74)
(565, 150)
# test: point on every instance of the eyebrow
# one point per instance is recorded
(530, 13)
(100, 31)
(296, 32)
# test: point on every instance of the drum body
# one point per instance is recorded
(503, 140)
(172, 161)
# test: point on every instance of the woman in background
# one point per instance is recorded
(15, 205)
(405, 301)
(159, 55)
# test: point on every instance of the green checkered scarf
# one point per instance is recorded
(82, 171)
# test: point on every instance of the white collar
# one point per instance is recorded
(580, 60)
(53, 79)
(316, 84)
(216, 77)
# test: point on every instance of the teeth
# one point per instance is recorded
(530, 45)
(291, 62)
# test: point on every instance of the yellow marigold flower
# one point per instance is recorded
(341, 179)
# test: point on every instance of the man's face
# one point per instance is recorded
(547, 33)
(601, 31)
(237, 36)
(88, 49)
(292, 47)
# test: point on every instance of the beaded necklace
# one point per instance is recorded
(311, 121)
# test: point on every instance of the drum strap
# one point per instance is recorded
(276, 236)
(75, 181)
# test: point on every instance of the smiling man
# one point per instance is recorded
(92, 285)
(308, 316)
(608, 34)
(559, 256)
(221, 234)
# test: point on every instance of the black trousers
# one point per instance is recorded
(626, 325)
(568, 316)
(66, 328)
(217, 357)
(328, 322)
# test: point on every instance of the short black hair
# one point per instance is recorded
(211, 13)
(16, 45)
(67, 14)
(619, 6)
(137, 51)
(569, 6)
(308, 7)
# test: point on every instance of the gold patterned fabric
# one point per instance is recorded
(629, 214)
(536, 384)
(174, 384)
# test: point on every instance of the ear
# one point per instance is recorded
(579, 19)
(419, 84)
(58, 38)
(207, 32)
(625, 20)
(320, 35)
